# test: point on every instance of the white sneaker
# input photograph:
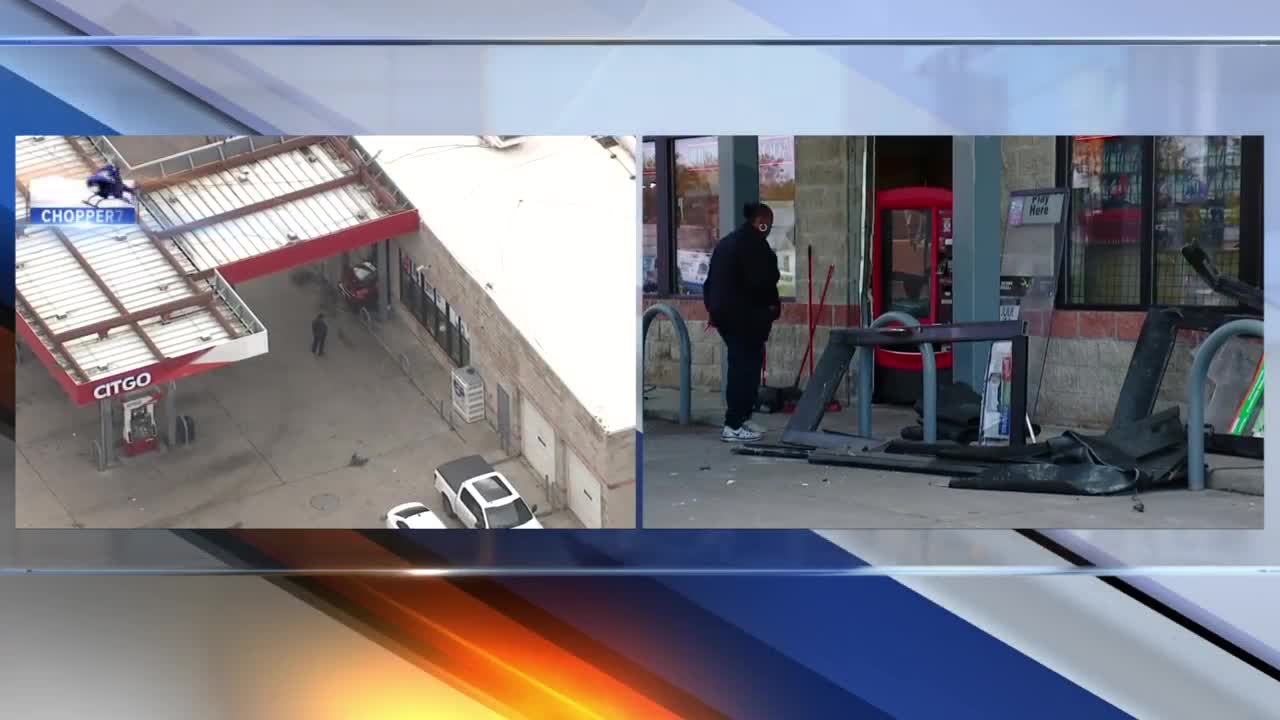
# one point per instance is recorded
(754, 427)
(742, 434)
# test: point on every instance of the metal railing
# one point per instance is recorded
(378, 174)
(1195, 391)
(187, 160)
(929, 376)
(686, 353)
(232, 300)
(108, 151)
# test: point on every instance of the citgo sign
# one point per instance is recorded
(121, 385)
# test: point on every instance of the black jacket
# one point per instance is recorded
(319, 328)
(741, 289)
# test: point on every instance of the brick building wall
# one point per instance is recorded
(503, 356)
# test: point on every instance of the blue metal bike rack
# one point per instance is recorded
(682, 332)
(1195, 390)
(929, 375)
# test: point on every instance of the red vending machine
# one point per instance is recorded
(911, 273)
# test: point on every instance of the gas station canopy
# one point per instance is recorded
(111, 309)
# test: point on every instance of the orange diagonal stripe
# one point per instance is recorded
(459, 638)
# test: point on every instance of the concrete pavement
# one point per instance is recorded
(691, 480)
(275, 436)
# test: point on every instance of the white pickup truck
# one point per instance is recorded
(480, 497)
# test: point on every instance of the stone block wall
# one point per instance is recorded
(1029, 162)
(1089, 357)
(828, 207)
(503, 355)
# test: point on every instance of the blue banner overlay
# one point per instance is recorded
(83, 216)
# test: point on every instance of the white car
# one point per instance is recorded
(412, 516)
(480, 497)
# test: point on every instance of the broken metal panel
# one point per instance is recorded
(803, 427)
(897, 463)
(820, 390)
(1195, 392)
(1147, 365)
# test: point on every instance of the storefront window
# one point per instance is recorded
(1197, 200)
(464, 357)
(428, 305)
(442, 320)
(1105, 255)
(778, 191)
(434, 313)
(697, 190)
(695, 228)
(649, 213)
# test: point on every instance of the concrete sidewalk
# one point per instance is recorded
(692, 480)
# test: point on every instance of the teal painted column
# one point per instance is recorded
(976, 177)
(739, 184)
(739, 178)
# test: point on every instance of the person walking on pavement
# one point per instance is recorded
(319, 331)
(741, 297)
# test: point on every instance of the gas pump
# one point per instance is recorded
(911, 272)
(141, 432)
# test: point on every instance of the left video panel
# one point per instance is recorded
(344, 332)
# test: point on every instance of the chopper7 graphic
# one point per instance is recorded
(107, 184)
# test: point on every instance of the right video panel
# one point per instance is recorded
(937, 332)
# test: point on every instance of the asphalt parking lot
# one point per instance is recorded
(275, 437)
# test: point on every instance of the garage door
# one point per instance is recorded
(537, 441)
(584, 492)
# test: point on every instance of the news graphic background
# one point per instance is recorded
(769, 644)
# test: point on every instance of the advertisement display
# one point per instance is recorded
(1033, 250)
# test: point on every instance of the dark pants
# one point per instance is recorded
(317, 344)
(742, 386)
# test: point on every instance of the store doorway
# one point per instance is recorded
(894, 162)
(912, 161)
(917, 166)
